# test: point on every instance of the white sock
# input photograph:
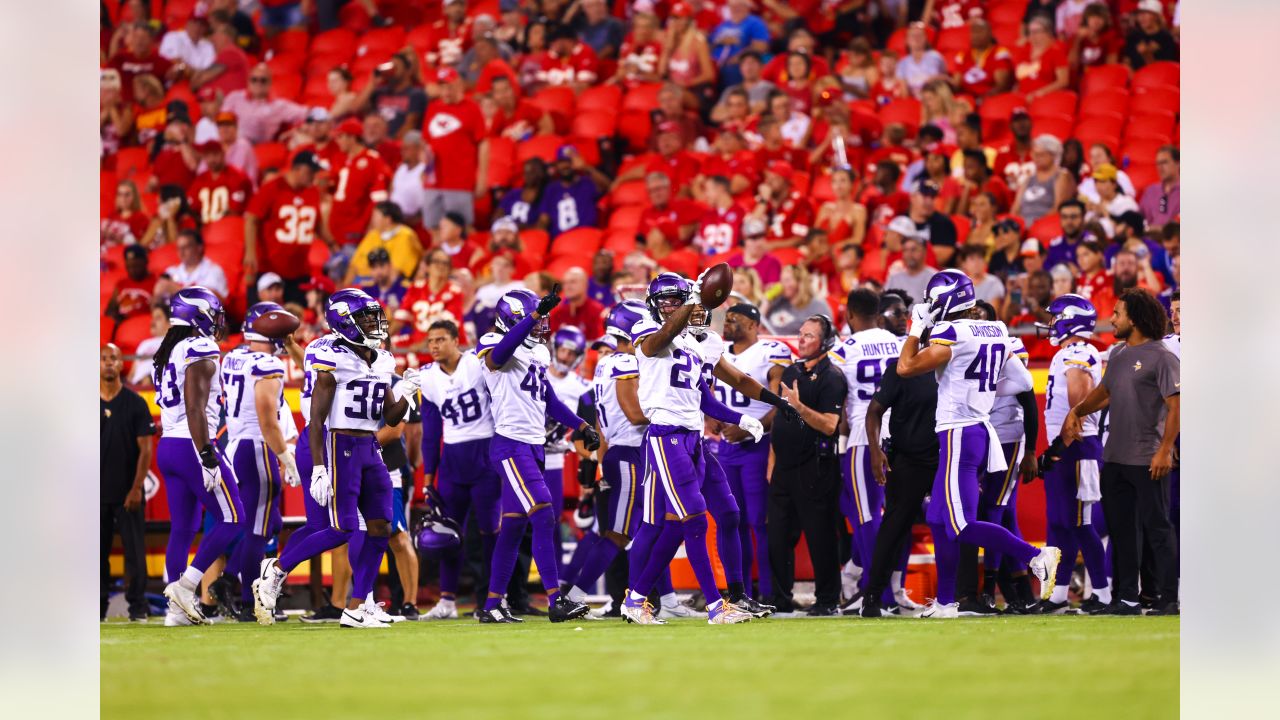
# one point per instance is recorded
(576, 595)
(853, 570)
(1059, 593)
(895, 581)
(1103, 595)
(669, 600)
(190, 578)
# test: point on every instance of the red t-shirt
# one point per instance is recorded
(978, 69)
(463, 254)
(169, 168)
(131, 66)
(235, 73)
(446, 46)
(520, 124)
(588, 317)
(799, 159)
(495, 68)
(681, 167)
(720, 231)
(117, 230)
(1099, 289)
(133, 297)
(1095, 51)
(216, 195)
(668, 220)
(791, 218)
(882, 208)
(956, 13)
(579, 66)
(741, 163)
(775, 71)
(638, 58)
(358, 182)
(902, 156)
(455, 133)
(421, 307)
(287, 218)
(1013, 166)
(1034, 74)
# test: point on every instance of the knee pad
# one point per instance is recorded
(696, 525)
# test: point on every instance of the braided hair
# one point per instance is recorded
(175, 334)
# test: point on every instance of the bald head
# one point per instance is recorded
(575, 284)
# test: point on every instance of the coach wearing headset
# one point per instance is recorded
(805, 486)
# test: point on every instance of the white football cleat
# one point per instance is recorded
(174, 617)
(1045, 566)
(358, 618)
(939, 611)
(266, 590)
(185, 600)
(679, 610)
(902, 596)
(443, 610)
(726, 613)
(640, 614)
(375, 611)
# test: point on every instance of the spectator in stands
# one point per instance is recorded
(1063, 281)
(937, 170)
(150, 112)
(176, 160)
(220, 189)
(1130, 269)
(230, 68)
(396, 94)
(451, 237)
(578, 308)
(271, 288)
(190, 46)
(600, 283)
(932, 227)
(746, 283)
(375, 136)
(261, 116)
(1149, 41)
(1025, 302)
(237, 150)
(987, 68)
(361, 178)
(686, 58)
(843, 217)
(569, 200)
(601, 31)
(638, 57)
(407, 190)
(1096, 41)
(1062, 249)
(138, 57)
(667, 224)
(172, 215)
(785, 210)
(1095, 282)
(982, 222)
(501, 281)
(132, 293)
(741, 31)
(1111, 202)
(796, 302)
(882, 196)
(914, 274)
(978, 180)
(388, 232)
(385, 283)
(455, 130)
(856, 70)
(522, 204)
(1099, 155)
(1040, 65)
(972, 262)
(127, 223)
(193, 268)
(750, 67)
(517, 118)
(140, 375)
(345, 100)
(1162, 202)
(1048, 186)
(755, 253)
(566, 62)
(731, 160)
(1007, 252)
(937, 104)
(210, 103)
(504, 241)
(1171, 241)
(432, 296)
(1073, 160)
(1014, 162)
(115, 118)
(921, 63)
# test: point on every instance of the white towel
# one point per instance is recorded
(995, 454)
(1088, 483)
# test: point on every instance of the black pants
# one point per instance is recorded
(910, 480)
(805, 496)
(131, 526)
(1137, 511)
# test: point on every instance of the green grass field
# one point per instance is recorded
(826, 668)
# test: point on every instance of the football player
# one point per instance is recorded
(1072, 483)
(253, 379)
(974, 360)
(516, 361)
(188, 391)
(351, 394)
(746, 462)
(455, 408)
(568, 349)
(674, 397)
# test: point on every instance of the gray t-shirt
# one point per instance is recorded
(1138, 378)
(914, 285)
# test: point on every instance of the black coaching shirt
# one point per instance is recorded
(125, 418)
(822, 389)
(914, 402)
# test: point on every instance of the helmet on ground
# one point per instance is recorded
(434, 531)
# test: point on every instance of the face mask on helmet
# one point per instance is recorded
(372, 324)
(579, 352)
(1072, 316)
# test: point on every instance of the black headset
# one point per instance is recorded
(829, 333)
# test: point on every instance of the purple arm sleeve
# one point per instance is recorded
(432, 431)
(560, 412)
(716, 409)
(506, 347)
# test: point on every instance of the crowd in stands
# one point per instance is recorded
(441, 153)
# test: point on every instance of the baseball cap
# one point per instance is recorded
(350, 126)
(605, 340)
(1020, 110)
(209, 146)
(681, 10)
(504, 223)
(317, 114)
(208, 92)
(927, 187)
(268, 279)
(1151, 6)
(1006, 225)
(1105, 171)
(565, 153)
(378, 256)
(1030, 248)
(746, 310)
(319, 282)
(668, 126)
(902, 225)
(781, 168)
(753, 227)
(447, 75)
(226, 117)
(306, 157)
(135, 250)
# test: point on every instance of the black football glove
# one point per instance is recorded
(587, 472)
(549, 301)
(208, 457)
(1050, 457)
(590, 438)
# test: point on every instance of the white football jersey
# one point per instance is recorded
(173, 407)
(967, 383)
(1006, 413)
(755, 361)
(614, 426)
(711, 347)
(863, 357)
(669, 393)
(320, 344)
(1173, 341)
(242, 368)
(363, 389)
(518, 391)
(1079, 356)
(569, 389)
(462, 399)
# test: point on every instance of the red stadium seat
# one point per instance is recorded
(626, 218)
(319, 65)
(1103, 76)
(1006, 12)
(788, 256)
(1062, 102)
(271, 155)
(317, 256)
(1046, 228)
(898, 40)
(165, 256)
(963, 226)
(630, 193)
(579, 243)
(502, 162)
(905, 111)
(131, 162)
(291, 42)
(995, 114)
(286, 86)
(419, 38)
(1156, 98)
(339, 41)
(685, 261)
(622, 243)
(227, 231)
(177, 12)
(642, 97)
(594, 124)
(601, 97)
(1157, 74)
(557, 267)
(230, 257)
(1100, 129)
(1007, 33)
(1059, 126)
(1150, 127)
(1141, 152)
(634, 126)
(555, 99)
(354, 17)
(106, 192)
(1142, 176)
(381, 41)
(821, 189)
(588, 148)
(535, 244)
(1107, 101)
(543, 146)
(106, 328)
(952, 41)
(290, 63)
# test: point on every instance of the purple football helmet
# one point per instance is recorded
(256, 312)
(668, 292)
(949, 291)
(1072, 315)
(356, 316)
(434, 531)
(624, 316)
(515, 306)
(572, 338)
(199, 308)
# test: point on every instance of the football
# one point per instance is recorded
(717, 283)
(276, 324)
